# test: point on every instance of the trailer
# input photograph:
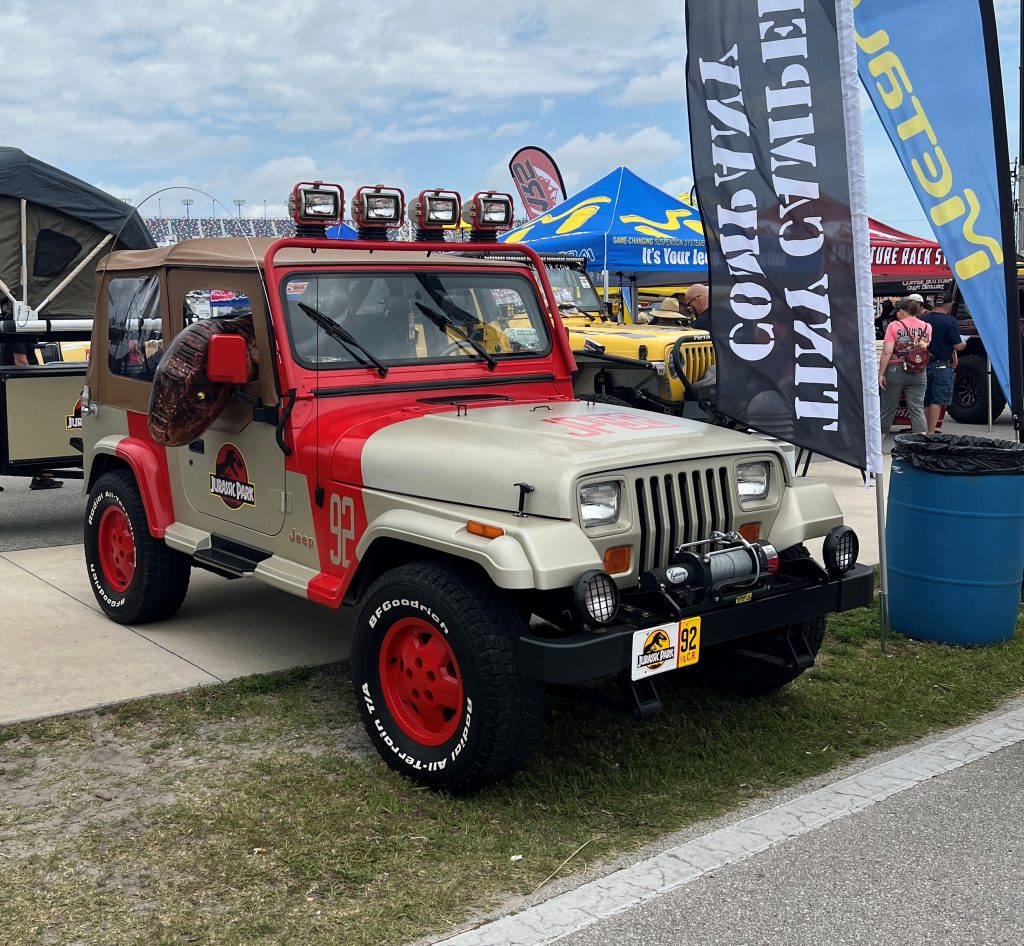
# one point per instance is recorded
(54, 231)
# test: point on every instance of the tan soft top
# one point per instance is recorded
(240, 253)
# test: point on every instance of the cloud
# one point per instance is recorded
(583, 158)
(511, 129)
(665, 86)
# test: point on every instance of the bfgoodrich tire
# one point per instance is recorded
(436, 677)
(969, 405)
(135, 577)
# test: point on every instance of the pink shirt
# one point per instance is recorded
(904, 333)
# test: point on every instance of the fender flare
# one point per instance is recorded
(503, 558)
(148, 464)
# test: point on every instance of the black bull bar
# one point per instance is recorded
(588, 655)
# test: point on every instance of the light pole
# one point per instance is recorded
(239, 202)
(188, 202)
(160, 207)
(264, 210)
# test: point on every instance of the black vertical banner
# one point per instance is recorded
(769, 133)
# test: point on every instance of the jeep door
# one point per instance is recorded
(234, 473)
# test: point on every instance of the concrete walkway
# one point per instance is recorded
(62, 654)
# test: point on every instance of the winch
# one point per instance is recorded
(724, 558)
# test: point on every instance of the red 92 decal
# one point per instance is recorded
(599, 425)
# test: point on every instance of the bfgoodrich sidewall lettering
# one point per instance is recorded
(413, 756)
(100, 502)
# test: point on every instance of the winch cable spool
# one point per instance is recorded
(734, 564)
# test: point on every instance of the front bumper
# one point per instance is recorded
(588, 655)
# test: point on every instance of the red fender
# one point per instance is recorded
(148, 462)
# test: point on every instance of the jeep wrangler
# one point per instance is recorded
(652, 366)
(381, 439)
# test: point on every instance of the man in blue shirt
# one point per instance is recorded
(945, 343)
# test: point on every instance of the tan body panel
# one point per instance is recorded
(40, 412)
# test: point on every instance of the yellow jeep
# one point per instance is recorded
(649, 366)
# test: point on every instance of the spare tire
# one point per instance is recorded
(184, 402)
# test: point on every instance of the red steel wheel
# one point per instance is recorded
(421, 682)
(117, 548)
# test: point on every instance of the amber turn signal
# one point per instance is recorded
(618, 560)
(751, 531)
(478, 528)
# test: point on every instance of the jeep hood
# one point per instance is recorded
(475, 455)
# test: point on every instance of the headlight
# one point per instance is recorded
(752, 479)
(599, 504)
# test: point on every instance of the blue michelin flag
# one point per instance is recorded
(940, 119)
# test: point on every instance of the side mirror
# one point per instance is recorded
(227, 359)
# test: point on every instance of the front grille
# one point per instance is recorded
(697, 358)
(679, 506)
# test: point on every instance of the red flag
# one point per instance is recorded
(538, 180)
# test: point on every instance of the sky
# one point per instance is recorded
(243, 99)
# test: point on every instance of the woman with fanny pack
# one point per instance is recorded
(898, 378)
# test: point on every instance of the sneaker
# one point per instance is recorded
(45, 482)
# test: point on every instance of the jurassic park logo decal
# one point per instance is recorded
(665, 647)
(74, 419)
(230, 479)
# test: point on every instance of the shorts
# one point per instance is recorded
(940, 385)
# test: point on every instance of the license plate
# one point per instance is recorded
(665, 647)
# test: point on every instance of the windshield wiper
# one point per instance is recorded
(443, 322)
(345, 337)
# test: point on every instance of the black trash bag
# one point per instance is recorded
(960, 456)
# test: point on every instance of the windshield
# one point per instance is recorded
(573, 287)
(412, 317)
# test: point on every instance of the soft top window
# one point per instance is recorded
(412, 317)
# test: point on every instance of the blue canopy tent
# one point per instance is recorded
(622, 225)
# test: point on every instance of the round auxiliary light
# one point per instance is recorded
(840, 549)
(597, 597)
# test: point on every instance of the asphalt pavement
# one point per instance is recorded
(917, 846)
(34, 519)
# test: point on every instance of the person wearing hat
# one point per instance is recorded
(945, 343)
(667, 313)
(894, 380)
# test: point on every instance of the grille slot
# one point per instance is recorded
(697, 358)
(678, 507)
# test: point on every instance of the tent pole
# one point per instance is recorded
(883, 595)
(605, 275)
(24, 252)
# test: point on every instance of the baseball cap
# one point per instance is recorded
(915, 297)
(941, 298)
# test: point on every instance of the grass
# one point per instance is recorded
(252, 814)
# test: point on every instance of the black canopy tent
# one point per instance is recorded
(53, 230)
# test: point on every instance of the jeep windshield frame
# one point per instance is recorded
(383, 309)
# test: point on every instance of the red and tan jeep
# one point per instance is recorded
(387, 442)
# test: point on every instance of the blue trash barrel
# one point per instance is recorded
(954, 538)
